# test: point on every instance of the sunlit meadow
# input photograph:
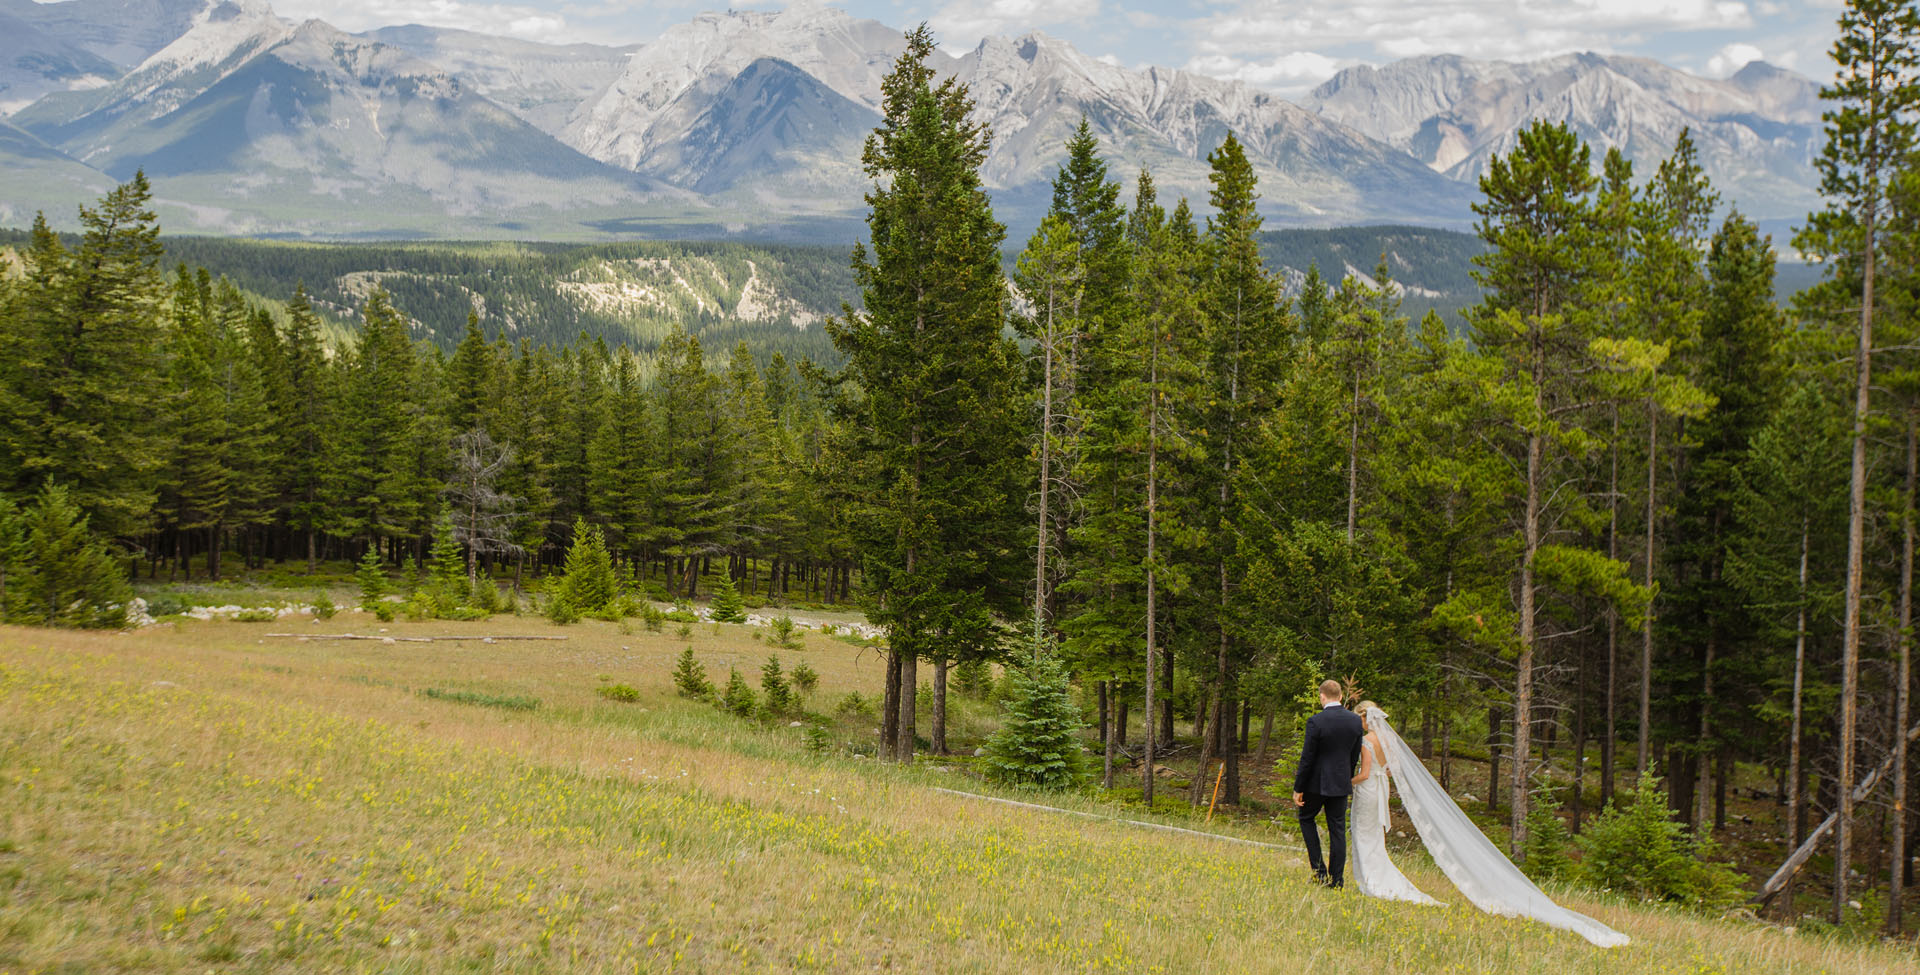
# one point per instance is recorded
(200, 797)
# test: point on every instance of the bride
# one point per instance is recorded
(1459, 849)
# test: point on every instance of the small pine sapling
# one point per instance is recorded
(805, 678)
(774, 684)
(727, 606)
(371, 574)
(691, 678)
(738, 698)
(1039, 744)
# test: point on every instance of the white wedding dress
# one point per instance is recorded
(1483, 874)
(1373, 870)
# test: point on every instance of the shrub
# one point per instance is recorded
(684, 631)
(485, 596)
(774, 684)
(804, 677)
(258, 615)
(1039, 743)
(624, 693)
(323, 608)
(652, 617)
(562, 611)
(1640, 850)
(738, 698)
(503, 701)
(783, 632)
(816, 738)
(691, 678)
(726, 606)
(166, 604)
(383, 611)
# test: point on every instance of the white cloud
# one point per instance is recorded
(513, 20)
(1504, 29)
(1287, 74)
(961, 23)
(1732, 58)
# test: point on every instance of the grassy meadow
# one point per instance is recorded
(198, 796)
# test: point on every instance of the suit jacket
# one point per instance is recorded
(1330, 753)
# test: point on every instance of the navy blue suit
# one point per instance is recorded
(1328, 756)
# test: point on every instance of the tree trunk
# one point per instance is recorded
(1107, 727)
(1701, 791)
(1903, 680)
(1856, 559)
(1646, 626)
(1266, 737)
(1046, 478)
(909, 704)
(1493, 759)
(1796, 773)
(1153, 532)
(890, 707)
(1580, 743)
(940, 704)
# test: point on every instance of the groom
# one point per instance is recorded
(1325, 780)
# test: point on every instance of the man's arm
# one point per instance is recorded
(1309, 757)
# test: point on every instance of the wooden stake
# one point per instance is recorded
(1217, 776)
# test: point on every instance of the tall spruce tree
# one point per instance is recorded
(939, 390)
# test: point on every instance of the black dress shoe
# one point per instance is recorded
(1323, 880)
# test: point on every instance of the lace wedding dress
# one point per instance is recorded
(1483, 874)
(1373, 870)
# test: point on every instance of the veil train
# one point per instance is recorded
(1466, 856)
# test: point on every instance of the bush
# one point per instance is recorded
(652, 617)
(486, 596)
(1039, 744)
(503, 701)
(804, 677)
(738, 698)
(783, 632)
(691, 678)
(1640, 850)
(323, 608)
(684, 631)
(624, 693)
(561, 610)
(166, 604)
(726, 606)
(257, 615)
(383, 611)
(816, 738)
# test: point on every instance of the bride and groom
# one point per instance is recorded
(1347, 759)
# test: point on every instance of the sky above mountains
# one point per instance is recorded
(1282, 45)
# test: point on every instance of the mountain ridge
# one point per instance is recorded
(750, 122)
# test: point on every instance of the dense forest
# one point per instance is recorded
(1634, 519)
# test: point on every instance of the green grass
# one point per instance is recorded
(505, 702)
(189, 798)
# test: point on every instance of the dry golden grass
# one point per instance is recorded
(198, 797)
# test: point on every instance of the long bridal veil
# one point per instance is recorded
(1465, 855)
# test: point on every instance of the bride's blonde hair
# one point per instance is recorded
(1364, 706)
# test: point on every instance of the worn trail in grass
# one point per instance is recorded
(190, 799)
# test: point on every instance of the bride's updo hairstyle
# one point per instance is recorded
(1364, 706)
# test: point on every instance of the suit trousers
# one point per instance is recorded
(1334, 868)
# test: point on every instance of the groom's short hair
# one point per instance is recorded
(1331, 690)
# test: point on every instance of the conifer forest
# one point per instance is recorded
(1628, 525)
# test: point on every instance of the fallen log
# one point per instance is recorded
(1778, 882)
(496, 638)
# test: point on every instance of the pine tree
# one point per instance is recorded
(690, 678)
(306, 427)
(1871, 133)
(737, 699)
(938, 411)
(447, 584)
(1038, 744)
(773, 684)
(66, 575)
(371, 575)
(588, 586)
(83, 364)
(370, 466)
(727, 606)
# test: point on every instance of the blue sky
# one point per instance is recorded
(1281, 45)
